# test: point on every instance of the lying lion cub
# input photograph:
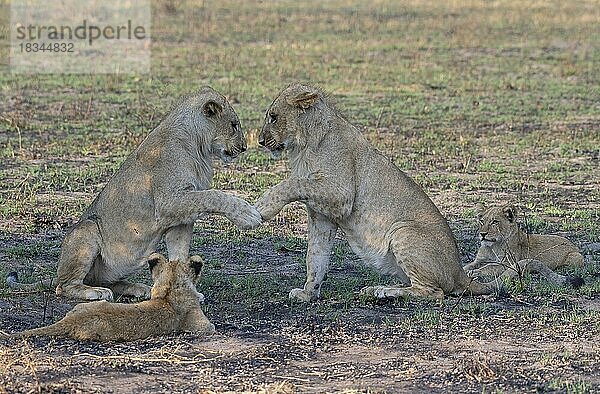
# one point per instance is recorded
(347, 184)
(503, 244)
(173, 307)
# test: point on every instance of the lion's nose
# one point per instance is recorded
(483, 235)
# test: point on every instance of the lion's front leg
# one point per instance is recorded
(178, 240)
(292, 189)
(490, 269)
(237, 210)
(474, 265)
(273, 201)
(186, 208)
(321, 234)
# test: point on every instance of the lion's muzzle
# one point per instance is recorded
(270, 143)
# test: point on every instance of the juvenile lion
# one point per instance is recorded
(346, 183)
(160, 189)
(503, 244)
(173, 307)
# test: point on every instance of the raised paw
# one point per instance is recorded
(247, 218)
(267, 207)
(303, 295)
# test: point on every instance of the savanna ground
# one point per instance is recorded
(478, 101)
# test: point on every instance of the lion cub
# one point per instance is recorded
(504, 244)
(173, 307)
(159, 192)
(347, 185)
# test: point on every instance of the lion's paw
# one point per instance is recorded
(367, 291)
(267, 208)
(302, 295)
(247, 218)
(379, 292)
(210, 329)
(137, 290)
(97, 294)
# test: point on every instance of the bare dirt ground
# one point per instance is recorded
(516, 343)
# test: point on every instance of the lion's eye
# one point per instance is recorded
(235, 126)
(272, 118)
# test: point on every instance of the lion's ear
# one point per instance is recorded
(196, 263)
(511, 212)
(303, 100)
(479, 210)
(153, 260)
(212, 108)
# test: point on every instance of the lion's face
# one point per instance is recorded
(229, 140)
(497, 224)
(282, 129)
(225, 136)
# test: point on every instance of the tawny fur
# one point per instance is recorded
(160, 190)
(504, 245)
(347, 184)
(174, 307)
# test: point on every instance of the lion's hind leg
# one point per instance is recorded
(418, 258)
(80, 251)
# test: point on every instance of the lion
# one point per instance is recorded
(347, 184)
(503, 244)
(174, 306)
(160, 190)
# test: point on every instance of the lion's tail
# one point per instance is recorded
(536, 266)
(12, 280)
(53, 330)
(497, 286)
